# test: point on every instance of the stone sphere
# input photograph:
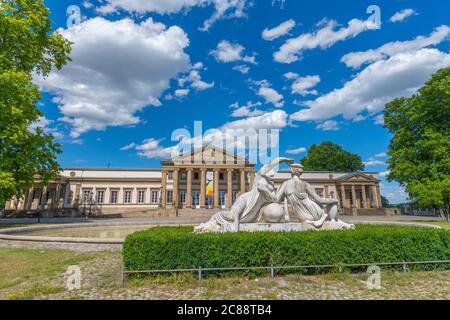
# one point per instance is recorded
(273, 213)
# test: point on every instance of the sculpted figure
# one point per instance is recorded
(307, 205)
(247, 207)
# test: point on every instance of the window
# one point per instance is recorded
(114, 196)
(127, 197)
(183, 175)
(70, 200)
(234, 196)
(100, 196)
(182, 196)
(221, 198)
(141, 196)
(87, 196)
(154, 196)
(235, 176)
(221, 176)
(196, 176)
(170, 175)
(169, 196)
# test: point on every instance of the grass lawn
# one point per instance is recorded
(26, 273)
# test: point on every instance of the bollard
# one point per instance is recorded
(405, 269)
(199, 273)
(272, 272)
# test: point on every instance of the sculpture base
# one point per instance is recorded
(293, 227)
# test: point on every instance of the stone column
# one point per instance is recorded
(76, 197)
(364, 197)
(354, 200)
(242, 180)
(57, 195)
(29, 201)
(189, 189)
(252, 178)
(343, 200)
(176, 193)
(326, 195)
(163, 188)
(229, 188)
(374, 196)
(380, 203)
(216, 188)
(202, 188)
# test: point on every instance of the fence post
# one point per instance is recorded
(272, 272)
(122, 278)
(405, 269)
(199, 273)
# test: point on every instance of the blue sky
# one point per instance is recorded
(322, 70)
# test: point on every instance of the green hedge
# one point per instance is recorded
(174, 248)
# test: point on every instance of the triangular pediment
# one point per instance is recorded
(357, 177)
(209, 154)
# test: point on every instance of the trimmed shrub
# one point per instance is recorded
(177, 248)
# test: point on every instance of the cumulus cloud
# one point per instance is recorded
(152, 148)
(117, 68)
(231, 52)
(296, 151)
(242, 68)
(357, 59)
(47, 126)
(303, 85)
(249, 110)
(270, 95)
(399, 76)
(371, 162)
(402, 15)
(223, 8)
(181, 93)
(279, 31)
(194, 78)
(326, 36)
(329, 125)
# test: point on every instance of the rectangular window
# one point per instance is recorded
(87, 196)
(196, 176)
(154, 196)
(100, 196)
(183, 176)
(114, 196)
(127, 197)
(141, 196)
(170, 175)
(234, 196)
(235, 176)
(70, 200)
(221, 198)
(169, 196)
(182, 196)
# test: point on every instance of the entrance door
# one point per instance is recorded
(209, 202)
(196, 199)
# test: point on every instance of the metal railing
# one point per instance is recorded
(200, 271)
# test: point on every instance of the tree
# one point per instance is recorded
(27, 47)
(385, 202)
(331, 157)
(420, 148)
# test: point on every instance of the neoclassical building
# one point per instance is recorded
(209, 178)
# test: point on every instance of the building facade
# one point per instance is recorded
(209, 178)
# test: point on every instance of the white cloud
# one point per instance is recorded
(47, 126)
(128, 146)
(323, 38)
(379, 119)
(231, 52)
(249, 110)
(152, 148)
(270, 95)
(302, 85)
(402, 15)
(223, 8)
(118, 68)
(329, 125)
(181, 93)
(278, 31)
(357, 59)
(373, 162)
(384, 173)
(393, 192)
(382, 81)
(242, 68)
(381, 155)
(195, 79)
(296, 151)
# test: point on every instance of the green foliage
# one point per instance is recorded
(331, 157)
(174, 248)
(385, 202)
(420, 148)
(26, 47)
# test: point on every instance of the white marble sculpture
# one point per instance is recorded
(260, 209)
